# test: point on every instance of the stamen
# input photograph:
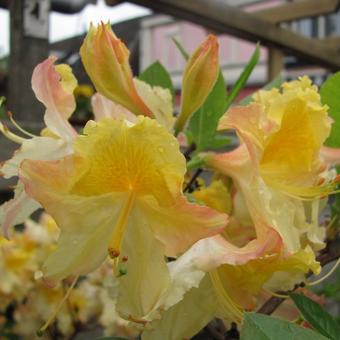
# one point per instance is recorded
(228, 304)
(332, 221)
(313, 283)
(118, 232)
(10, 116)
(9, 135)
(139, 321)
(282, 296)
(41, 331)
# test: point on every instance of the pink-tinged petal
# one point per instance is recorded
(214, 251)
(182, 140)
(57, 175)
(182, 224)
(268, 209)
(330, 155)
(16, 211)
(53, 86)
(104, 107)
(247, 121)
(86, 223)
(38, 148)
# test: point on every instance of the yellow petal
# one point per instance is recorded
(186, 318)
(182, 224)
(159, 100)
(143, 158)
(243, 283)
(268, 208)
(215, 196)
(290, 153)
(147, 276)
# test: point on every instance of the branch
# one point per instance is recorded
(188, 187)
(190, 150)
(327, 255)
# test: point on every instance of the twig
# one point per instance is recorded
(214, 332)
(270, 305)
(192, 180)
(190, 149)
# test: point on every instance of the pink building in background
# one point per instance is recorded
(156, 44)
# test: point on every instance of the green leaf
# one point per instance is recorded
(219, 141)
(184, 53)
(241, 81)
(320, 319)
(275, 83)
(204, 121)
(2, 109)
(263, 327)
(330, 92)
(157, 75)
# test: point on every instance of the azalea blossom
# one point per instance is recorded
(279, 164)
(120, 193)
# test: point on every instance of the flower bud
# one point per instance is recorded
(106, 60)
(199, 77)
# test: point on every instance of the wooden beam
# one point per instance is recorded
(298, 10)
(275, 63)
(26, 52)
(218, 16)
(333, 42)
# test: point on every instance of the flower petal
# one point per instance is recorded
(53, 86)
(103, 107)
(147, 276)
(159, 101)
(186, 318)
(37, 148)
(182, 224)
(16, 210)
(330, 155)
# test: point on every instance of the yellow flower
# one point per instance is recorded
(284, 132)
(279, 161)
(120, 192)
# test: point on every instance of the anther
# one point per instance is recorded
(113, 253)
